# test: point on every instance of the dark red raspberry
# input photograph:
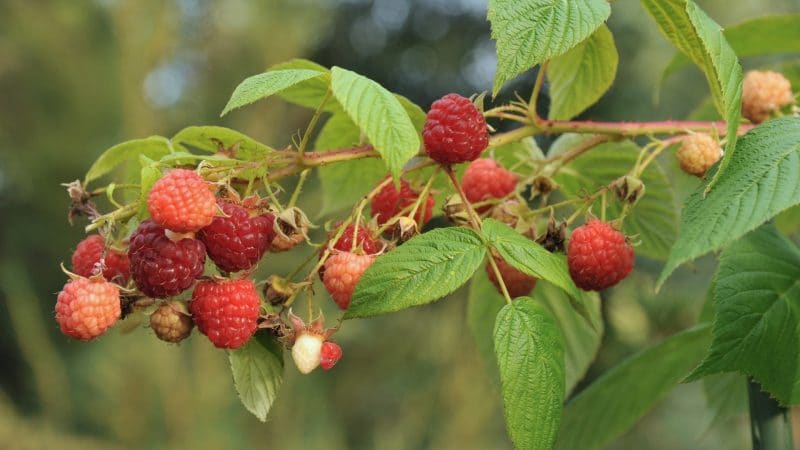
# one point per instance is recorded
(86, 308)
(485, 179)
(238, 241)
(89, 252)
(389, 202)
(342, 272)
(329, 355)
(182, 201)
(160, 266)
(598, 256)
(455, 130)
(226, 311)
(518, 283)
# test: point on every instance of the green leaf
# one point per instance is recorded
(153, 147)
(379, 114)
(308, 93)
(616, 400)
(701, 40)
(209, 138)
(528, 256)
(762, 181)
(581, 76)
(757, 325)
(257, 369)
(268, 83)
(424, 269)
(530, 355)
(654, 218)
(581, 341)
(415, 113)
(726, 395)
(529, 32)
(345, 182)
(149, 174)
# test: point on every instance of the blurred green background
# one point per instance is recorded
(79, 76)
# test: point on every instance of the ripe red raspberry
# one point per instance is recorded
(160, 266)
(171, 322)
(764, 92)
(363, 237)
(598, 256)
(485, 179)
(519, 284)
(182, 201)
(330, 354)
(238, 241)
(89, 252)
(389, 202)
(698, 153)
(455, 130)
(342, 272)
(86, 308)
(226, 311)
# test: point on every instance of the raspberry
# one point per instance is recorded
(171, 322)
(238, 241)
(342, 272)
(389, 202)
(485, 179)
(307, 350)
(182, 201)
(161, 267)
(518, 283)
(330, 354)
(455, 130)
(226, 311)
(364, 240)
(89, 252)
(764, 92)
(86, 308)
(698, 153)
(598, 256)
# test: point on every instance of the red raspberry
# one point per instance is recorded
(238, 241)
(342, 272)
(364, 240)
(86, 308)
(485, 179)
(519, 284)
(598, 256)
(330, 354)
(89, 253)
(182, 201)
(160, 266)
(455, 130)
(226, 311)
(171, 322)
(389, 202)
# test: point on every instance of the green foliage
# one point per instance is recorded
(757, 323)
(529, 32)
(153, 147)
(257, 369)
(310, 92)
(379, 115)
(530, 355)
(581, 76)
(653, 219)
(616, 400)
(424, 269)
(702, 41)
(266, 84)
(212, 139)
(762, 181)
(149, 174)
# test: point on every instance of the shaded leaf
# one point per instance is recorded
(153, 147)
(257, 369)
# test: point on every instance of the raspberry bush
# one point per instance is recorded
(466, 196)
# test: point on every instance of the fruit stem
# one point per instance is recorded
(312, 124)
(298, 188)
(770, 423)
(537, 88)
(473, 216)
(500, 280)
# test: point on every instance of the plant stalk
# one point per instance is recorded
(770, 423)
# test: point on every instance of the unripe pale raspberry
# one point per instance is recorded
(343, 270)
(330, 354)
(306, 351)
(518, 283)
(390, 202)
(455, 130)
(86, 308)
(171, 322)
(698, 153)
(88, 256)
(226, 311)
(764, 92)
(182, 201)
(238, 240)
(485, 179)
(598, 256)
